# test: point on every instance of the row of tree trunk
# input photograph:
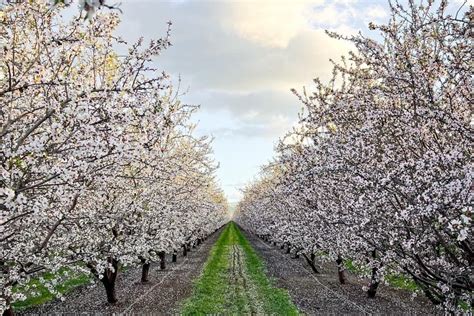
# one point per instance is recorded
(311, 260)
(109, 277)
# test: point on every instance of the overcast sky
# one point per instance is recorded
(240, 59)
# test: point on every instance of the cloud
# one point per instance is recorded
(268, 22)
(265, 113)
(467, 2)
(240, 76)
(330, 16)
(210, 54)
(377, 12)
(271, 128)
(240, 59)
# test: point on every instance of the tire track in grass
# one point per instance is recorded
(234, 282)
(242, 287)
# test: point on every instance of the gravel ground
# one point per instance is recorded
(163, 293)
(323, 295)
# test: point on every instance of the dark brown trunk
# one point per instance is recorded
(311, 262)
(341, 271)
(435, 299)
(145, 270)
(185, 251)
(108, 280)
(110, 291)
(9, 311)
(174, 257)
(288, 250)
(374, 284)
(313, 257)
(162, 256)
(374, 281)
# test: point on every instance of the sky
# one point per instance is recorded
(239, 59)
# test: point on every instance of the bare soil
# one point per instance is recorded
(322, 294)
(162, 295)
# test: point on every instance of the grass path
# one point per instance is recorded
(234, 282)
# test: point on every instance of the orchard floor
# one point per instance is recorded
(321, 294)
(163, 293)
(236, 273)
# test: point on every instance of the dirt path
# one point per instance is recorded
(161, 295)
(322, 293)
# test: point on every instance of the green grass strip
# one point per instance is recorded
(211, 290)
(37, 293)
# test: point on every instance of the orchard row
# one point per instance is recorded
(379, 170)
(99, 166)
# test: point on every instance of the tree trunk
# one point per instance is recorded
(185, 251)
(435, 299)
(174, 257)
(162, 256)
(341, 270)
(282, 246)
(110, 291)
(311, 262)
(108, 280)
(374, 282)
(9, 311)
(297, 254)
(145, 270)
(288, 250)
